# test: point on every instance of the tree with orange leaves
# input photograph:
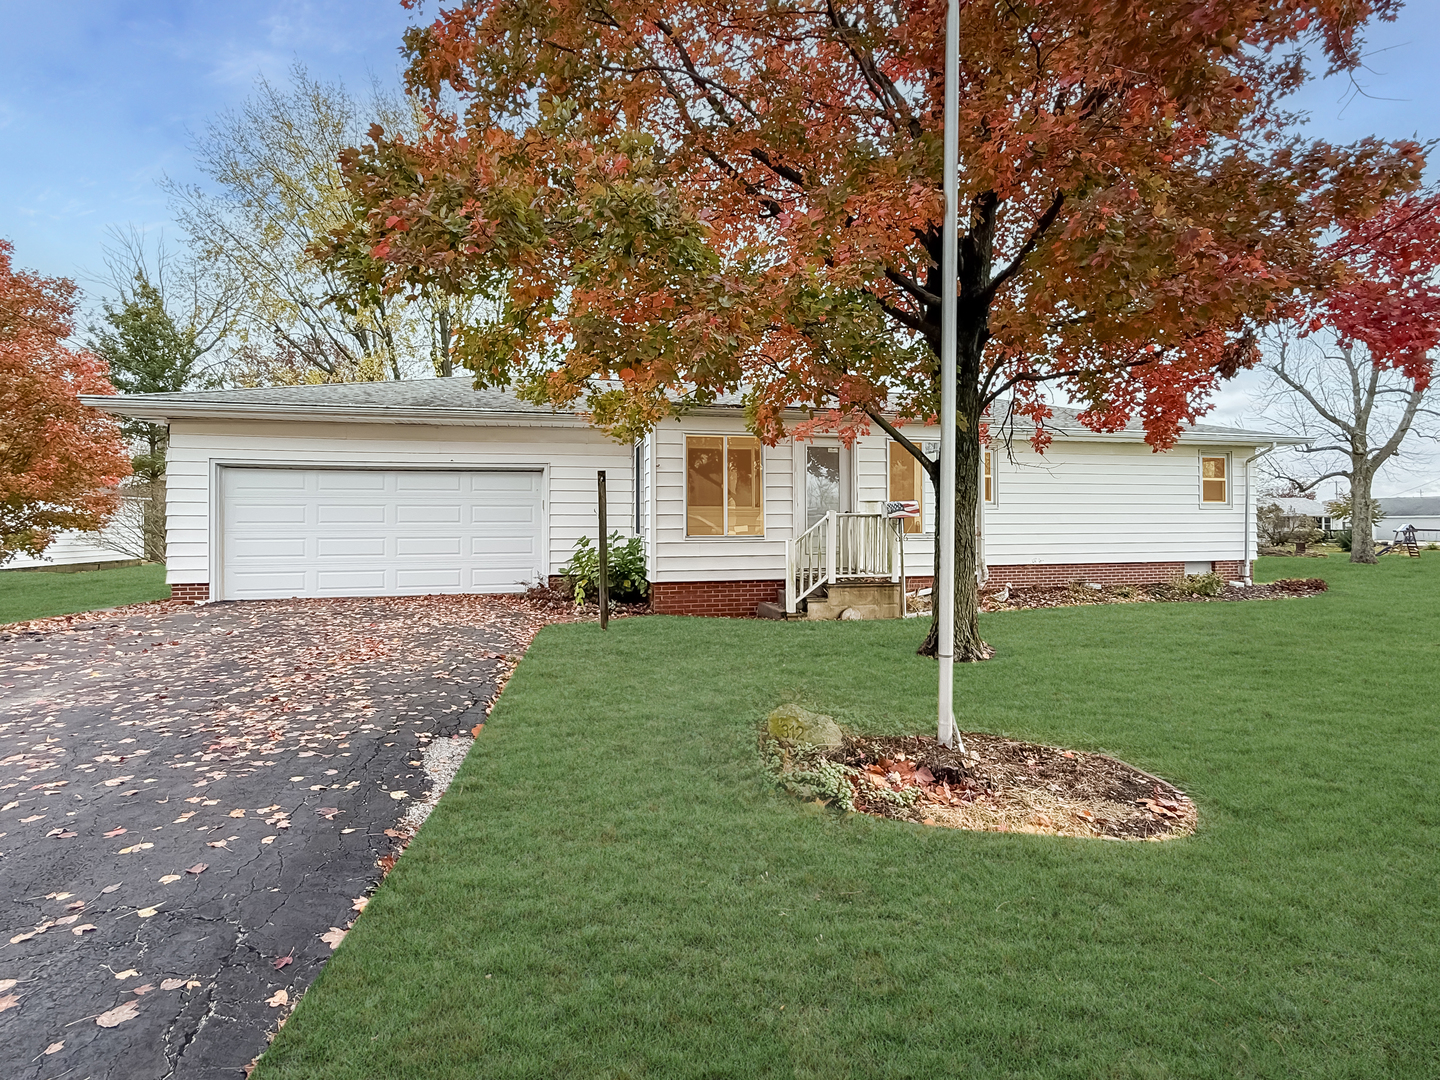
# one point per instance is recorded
(673, 200)
(59, 461)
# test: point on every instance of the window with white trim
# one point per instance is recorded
(1215, 480)
(724, 486)
(909, 481)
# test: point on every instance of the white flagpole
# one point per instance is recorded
(945, 498)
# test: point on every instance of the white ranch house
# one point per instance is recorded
(430, 486)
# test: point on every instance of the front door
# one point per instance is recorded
(822, 482)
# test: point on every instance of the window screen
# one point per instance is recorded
(1214, 484)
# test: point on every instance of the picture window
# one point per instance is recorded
(724, 486)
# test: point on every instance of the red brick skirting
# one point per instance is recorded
(1094, 573)
(190, 592)
(728, 599)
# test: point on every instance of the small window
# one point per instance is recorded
(1214, 481)
(907, 484)
(989, 480)
(724, 486)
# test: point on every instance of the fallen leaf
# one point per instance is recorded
(475, 731)
(66, 920)
(279, 998)
(359, 905)
(140, 990)
(192, 984)
(168, 878)
(54, 1048)
(116, 832)
(399, 794)
(329, 812)
(76, 906)
(9, 806)
(185, 817)
(118, 1015)
(8, 984)
(237, 813)
(25, 936)
(134, 848)
(147, 912)
(392, 832)
(280, 962)
(172, 984)
(83, 928)
(9, 1001)
(334, 937)
(216, 843)
(32, 817)
(116, 781)
(296, 779)
(268, 839)
(126, 974)
(112, 888)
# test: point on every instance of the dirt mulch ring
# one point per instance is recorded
(1016, 597)
(1002, 785)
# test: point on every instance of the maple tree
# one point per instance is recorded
(1357, 370)
(671, 201)
(59, 460)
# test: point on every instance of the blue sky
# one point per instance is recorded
(98, 100)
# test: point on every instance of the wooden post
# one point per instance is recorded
(604, 556)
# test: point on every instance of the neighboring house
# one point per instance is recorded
(1422, 512)
(72, 548)
(430, 486)
(1295, 507)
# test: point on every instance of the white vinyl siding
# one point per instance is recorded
(567, 458)
(678, 557)
(1086, 502)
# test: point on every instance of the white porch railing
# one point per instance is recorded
(841, 547)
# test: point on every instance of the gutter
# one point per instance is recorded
(166, 412)
(1245, 574)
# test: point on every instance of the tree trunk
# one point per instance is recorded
(1362, 532)
(969, 646)
(152, 522)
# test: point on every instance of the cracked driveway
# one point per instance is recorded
(192, 794)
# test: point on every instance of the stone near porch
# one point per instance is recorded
(866, 599)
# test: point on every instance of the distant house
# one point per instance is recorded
(1423, 513)
(431, 486)
(1295, 507)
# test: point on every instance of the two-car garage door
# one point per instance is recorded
(372, 532)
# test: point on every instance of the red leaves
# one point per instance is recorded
(58, 459)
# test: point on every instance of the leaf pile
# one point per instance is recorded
(1016, 597)
(996, 785)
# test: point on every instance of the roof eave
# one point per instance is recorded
(167, 411)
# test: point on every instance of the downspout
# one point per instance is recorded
(1245, 574)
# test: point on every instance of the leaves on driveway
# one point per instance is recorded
(115, 1017)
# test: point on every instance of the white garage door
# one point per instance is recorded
(354, 532)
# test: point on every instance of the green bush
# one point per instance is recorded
(1211, 584)
(1342, 537)
(628, 583)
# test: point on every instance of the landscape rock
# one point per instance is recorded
(805, 728)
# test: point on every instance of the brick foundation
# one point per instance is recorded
(726, 599)
(192, 593)
(1029, 574)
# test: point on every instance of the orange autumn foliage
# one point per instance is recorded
(60, 462)
(674, 200)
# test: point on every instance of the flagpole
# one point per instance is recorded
(945, 498)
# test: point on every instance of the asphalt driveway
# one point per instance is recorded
(196, 801)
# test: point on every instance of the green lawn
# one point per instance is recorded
(33, 594)
(612, 889)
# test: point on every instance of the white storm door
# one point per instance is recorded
(376, 532)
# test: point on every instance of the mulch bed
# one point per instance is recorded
(1015, 597)
(1004, 785)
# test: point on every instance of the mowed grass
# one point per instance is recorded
(613, 889)
(34, 594)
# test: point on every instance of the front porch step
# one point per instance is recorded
(865, 599)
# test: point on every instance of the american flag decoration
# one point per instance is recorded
(907, 508)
